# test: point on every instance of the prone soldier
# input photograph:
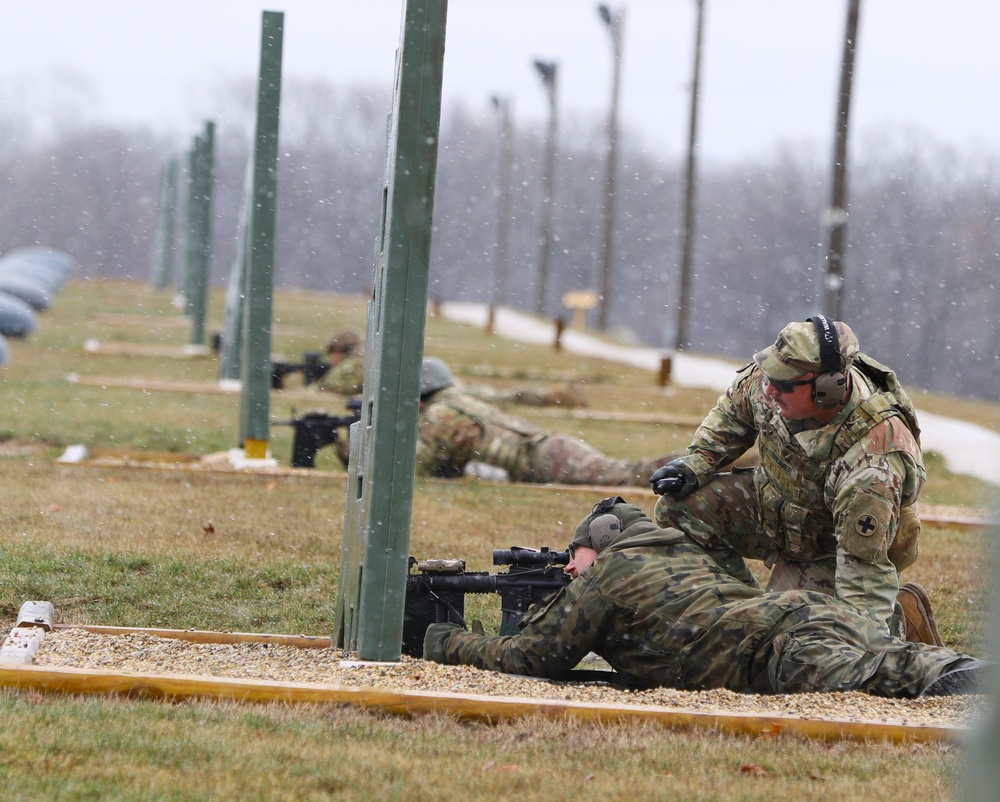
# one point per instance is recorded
(455, 428)
(662, 612)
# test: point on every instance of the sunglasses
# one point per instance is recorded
(785, 387)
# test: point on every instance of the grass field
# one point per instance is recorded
(224, 551)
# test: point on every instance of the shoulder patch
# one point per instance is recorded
(866, 526)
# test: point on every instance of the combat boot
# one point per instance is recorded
(966, 679)
(918, 618)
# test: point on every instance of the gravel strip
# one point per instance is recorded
(143, 653)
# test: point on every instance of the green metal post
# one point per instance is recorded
(259, 286)
(197, 294)
(191, 210)
(230, 355)
(383, 444)
(163, 255)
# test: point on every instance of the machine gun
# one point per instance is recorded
(435, 592)
(312, 368)
(317, 429)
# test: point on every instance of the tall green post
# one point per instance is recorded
(231, 352)
(163, 253)
(191, 210)
(201, 252)
(379, 501)
(259, 280)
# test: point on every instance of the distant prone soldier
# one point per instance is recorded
(456, 429)
(346, 374)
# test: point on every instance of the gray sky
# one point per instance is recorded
(927, 68)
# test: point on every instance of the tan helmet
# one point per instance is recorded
(343, 342)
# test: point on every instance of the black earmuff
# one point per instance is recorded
(830, 387)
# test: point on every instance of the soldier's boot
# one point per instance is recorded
(918, 618)
(966, 679)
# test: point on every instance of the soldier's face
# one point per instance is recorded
(796, 402)
(583, 558)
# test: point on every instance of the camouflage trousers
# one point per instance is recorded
(790, 642)
(830, 648)
(723, 517)
(565, 460)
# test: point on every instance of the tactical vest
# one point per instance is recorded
(790, 484)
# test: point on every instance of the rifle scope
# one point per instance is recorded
(519, 555)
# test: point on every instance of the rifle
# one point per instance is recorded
(435, 592)
(311, 367)
(317, 429)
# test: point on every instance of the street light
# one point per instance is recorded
(502, 107)
(684, 290)
(614, 25)
(547, 71)
(836, 215)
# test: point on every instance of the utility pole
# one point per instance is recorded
(835, 216)
(502, 107)
(684, 290)
(614, 24)
(547, 71)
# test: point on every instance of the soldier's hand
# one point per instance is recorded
(674, 479)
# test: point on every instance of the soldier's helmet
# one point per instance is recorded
(343, 342)
(434, 375)
(606, 523)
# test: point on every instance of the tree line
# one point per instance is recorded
(920, 270)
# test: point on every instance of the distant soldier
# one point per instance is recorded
(347, 372)
(347, 364)
(567, 395)
(833, 504)
(456, 428)
(662, 612)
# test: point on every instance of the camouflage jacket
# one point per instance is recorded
(836, 490)
(455, 428)
(660, 611)
(347, 376)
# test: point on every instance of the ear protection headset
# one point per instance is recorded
(830, 386)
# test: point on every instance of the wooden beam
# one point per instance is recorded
(471, 707)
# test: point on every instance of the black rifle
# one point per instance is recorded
(435, 592)
(317, 429)
(312, 368)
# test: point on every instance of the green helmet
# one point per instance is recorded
(434, 376)
(606, 523)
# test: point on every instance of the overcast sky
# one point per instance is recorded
(769, 77)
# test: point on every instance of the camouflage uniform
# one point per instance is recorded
(347, 376)
(832, 507)
(566, 395)
(456, 428)
(662, 612)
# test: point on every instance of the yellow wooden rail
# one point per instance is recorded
(487, 709)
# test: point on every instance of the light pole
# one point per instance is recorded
(836, 215)
(614, 25)
(547, 71)
(684, 290)
(502, 107)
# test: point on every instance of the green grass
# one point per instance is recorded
(186, 549)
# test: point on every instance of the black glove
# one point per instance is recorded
(674, 479)
(434, 639)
